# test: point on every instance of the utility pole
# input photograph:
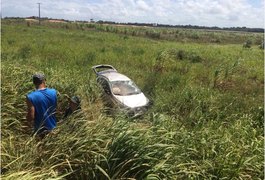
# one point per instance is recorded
(39, 12)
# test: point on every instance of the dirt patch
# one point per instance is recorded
(32, 20)
(56, 21)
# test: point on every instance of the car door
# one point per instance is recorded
(106, 91)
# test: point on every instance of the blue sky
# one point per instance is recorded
(255, 3)
(221, 13)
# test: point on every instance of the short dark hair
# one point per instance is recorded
(76, 100)
(38, 78)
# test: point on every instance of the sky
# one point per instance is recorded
(221, 13)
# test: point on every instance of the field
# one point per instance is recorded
(206, 121)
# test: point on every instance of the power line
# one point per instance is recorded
(39, 12)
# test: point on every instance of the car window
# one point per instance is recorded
(124, 88)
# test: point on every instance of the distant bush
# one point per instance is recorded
(126, 37)
(154, 34)
(216, 40)
(195, 36)
(90, 25)
(247, 44)
(181, 54)
(194, 58)
(108, 28)
(66, 26)
(261, 46)
(185, 55)
(134, 33)
(11, 41)
(28, 23)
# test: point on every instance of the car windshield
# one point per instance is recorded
(124, 88)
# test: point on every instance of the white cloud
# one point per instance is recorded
(221, 13)
(142, 5)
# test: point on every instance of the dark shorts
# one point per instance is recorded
(42, 132)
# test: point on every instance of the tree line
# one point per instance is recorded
(243, 29)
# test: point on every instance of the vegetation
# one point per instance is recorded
(206, 121)
(182, 33)
(243, 29)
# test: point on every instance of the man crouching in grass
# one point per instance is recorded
(41, 106)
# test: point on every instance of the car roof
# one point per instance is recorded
(112, 75)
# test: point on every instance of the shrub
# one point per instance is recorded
(195, 36)
(11, 41)
(181, 54)
(194, 58)
(261, 46)
(28, 23)
(247, 44)
(154, 34)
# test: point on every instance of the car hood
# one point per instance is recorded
(133, 101)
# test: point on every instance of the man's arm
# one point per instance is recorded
(31, 113)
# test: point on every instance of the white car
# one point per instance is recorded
(120, 92)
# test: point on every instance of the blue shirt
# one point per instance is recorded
(44, 102)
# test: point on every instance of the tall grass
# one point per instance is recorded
(206, 121)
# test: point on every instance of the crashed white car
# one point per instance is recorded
(120, 92)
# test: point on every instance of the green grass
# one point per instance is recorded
(206, 121)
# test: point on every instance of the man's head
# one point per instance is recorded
(38, 79)
(75, 99)
(74, 103)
